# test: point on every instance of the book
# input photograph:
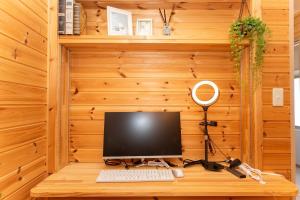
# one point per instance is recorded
(69, 16)
(79, 19)
(61, 17)
(76, 19)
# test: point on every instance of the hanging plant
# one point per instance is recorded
(253, 30)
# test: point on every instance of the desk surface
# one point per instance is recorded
(78, 180)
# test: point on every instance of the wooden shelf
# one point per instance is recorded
(154, 4)
(137, 43)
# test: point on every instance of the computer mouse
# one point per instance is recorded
(178, 173)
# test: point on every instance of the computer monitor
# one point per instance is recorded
(130, 135)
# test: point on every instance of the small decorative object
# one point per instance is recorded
(166, 29)
(119, 21)
(166, 26)
(254, 30)
(144, 27)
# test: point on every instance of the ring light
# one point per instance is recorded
(210, 101)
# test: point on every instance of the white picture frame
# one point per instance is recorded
(119, 22)
(144, 27)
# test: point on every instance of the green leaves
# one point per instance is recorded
(254, 30)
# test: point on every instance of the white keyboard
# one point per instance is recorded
(135, 175)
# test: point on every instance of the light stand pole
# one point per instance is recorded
(212, 166)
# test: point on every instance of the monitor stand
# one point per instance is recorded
(160, 163)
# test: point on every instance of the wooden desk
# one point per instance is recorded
(78, 180)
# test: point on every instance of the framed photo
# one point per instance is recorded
(143, 27)
(119, 22)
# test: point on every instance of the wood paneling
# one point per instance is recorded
(185, 23)
(297, 26)
(17, 73)
(23, 96)
(276, 120)
(151, 81)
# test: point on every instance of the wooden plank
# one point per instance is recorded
(275, 129)
(97, 112)
(16, 158)
(53, 70)
(15, 51)
(13, 28)
(13, 137)
(181, 16)
(149, 98)
(245, 124)
(273, 4)
(197, 182)
(11, 116)
(297, 26)
(11, 93)
(180, 73)
(276, 113)
(177, 198)
(24, 192)
(277, 49)
(277, 145)
(14, 72)
(273, 161)
(280, 33)
(37, 8)
(276, 16)
(141, 85)
(65, 88)
(276, 64)
(274, 79)
(14, 181)
(25, 15)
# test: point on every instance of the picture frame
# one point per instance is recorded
(119, 22)
(144, 27)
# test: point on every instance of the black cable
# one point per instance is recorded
(112, 162)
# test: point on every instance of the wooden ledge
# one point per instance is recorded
(137, 43)
(78, 180)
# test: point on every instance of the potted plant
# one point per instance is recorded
(253, 30)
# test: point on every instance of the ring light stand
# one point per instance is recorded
(208, 165)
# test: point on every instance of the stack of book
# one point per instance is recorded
(71, 18)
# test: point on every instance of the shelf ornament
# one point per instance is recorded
(250, 29)
(166, 27)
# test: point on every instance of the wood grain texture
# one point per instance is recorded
(297, 26)
(277, 137)
(23, 96)
(151, 81)
(78, 180)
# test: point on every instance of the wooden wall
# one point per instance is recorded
(276, 120)
(205, 23)
(23, 96)
(297, 25)
(100, 80)
(151, 81)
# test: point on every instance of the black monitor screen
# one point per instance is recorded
(142, 135)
